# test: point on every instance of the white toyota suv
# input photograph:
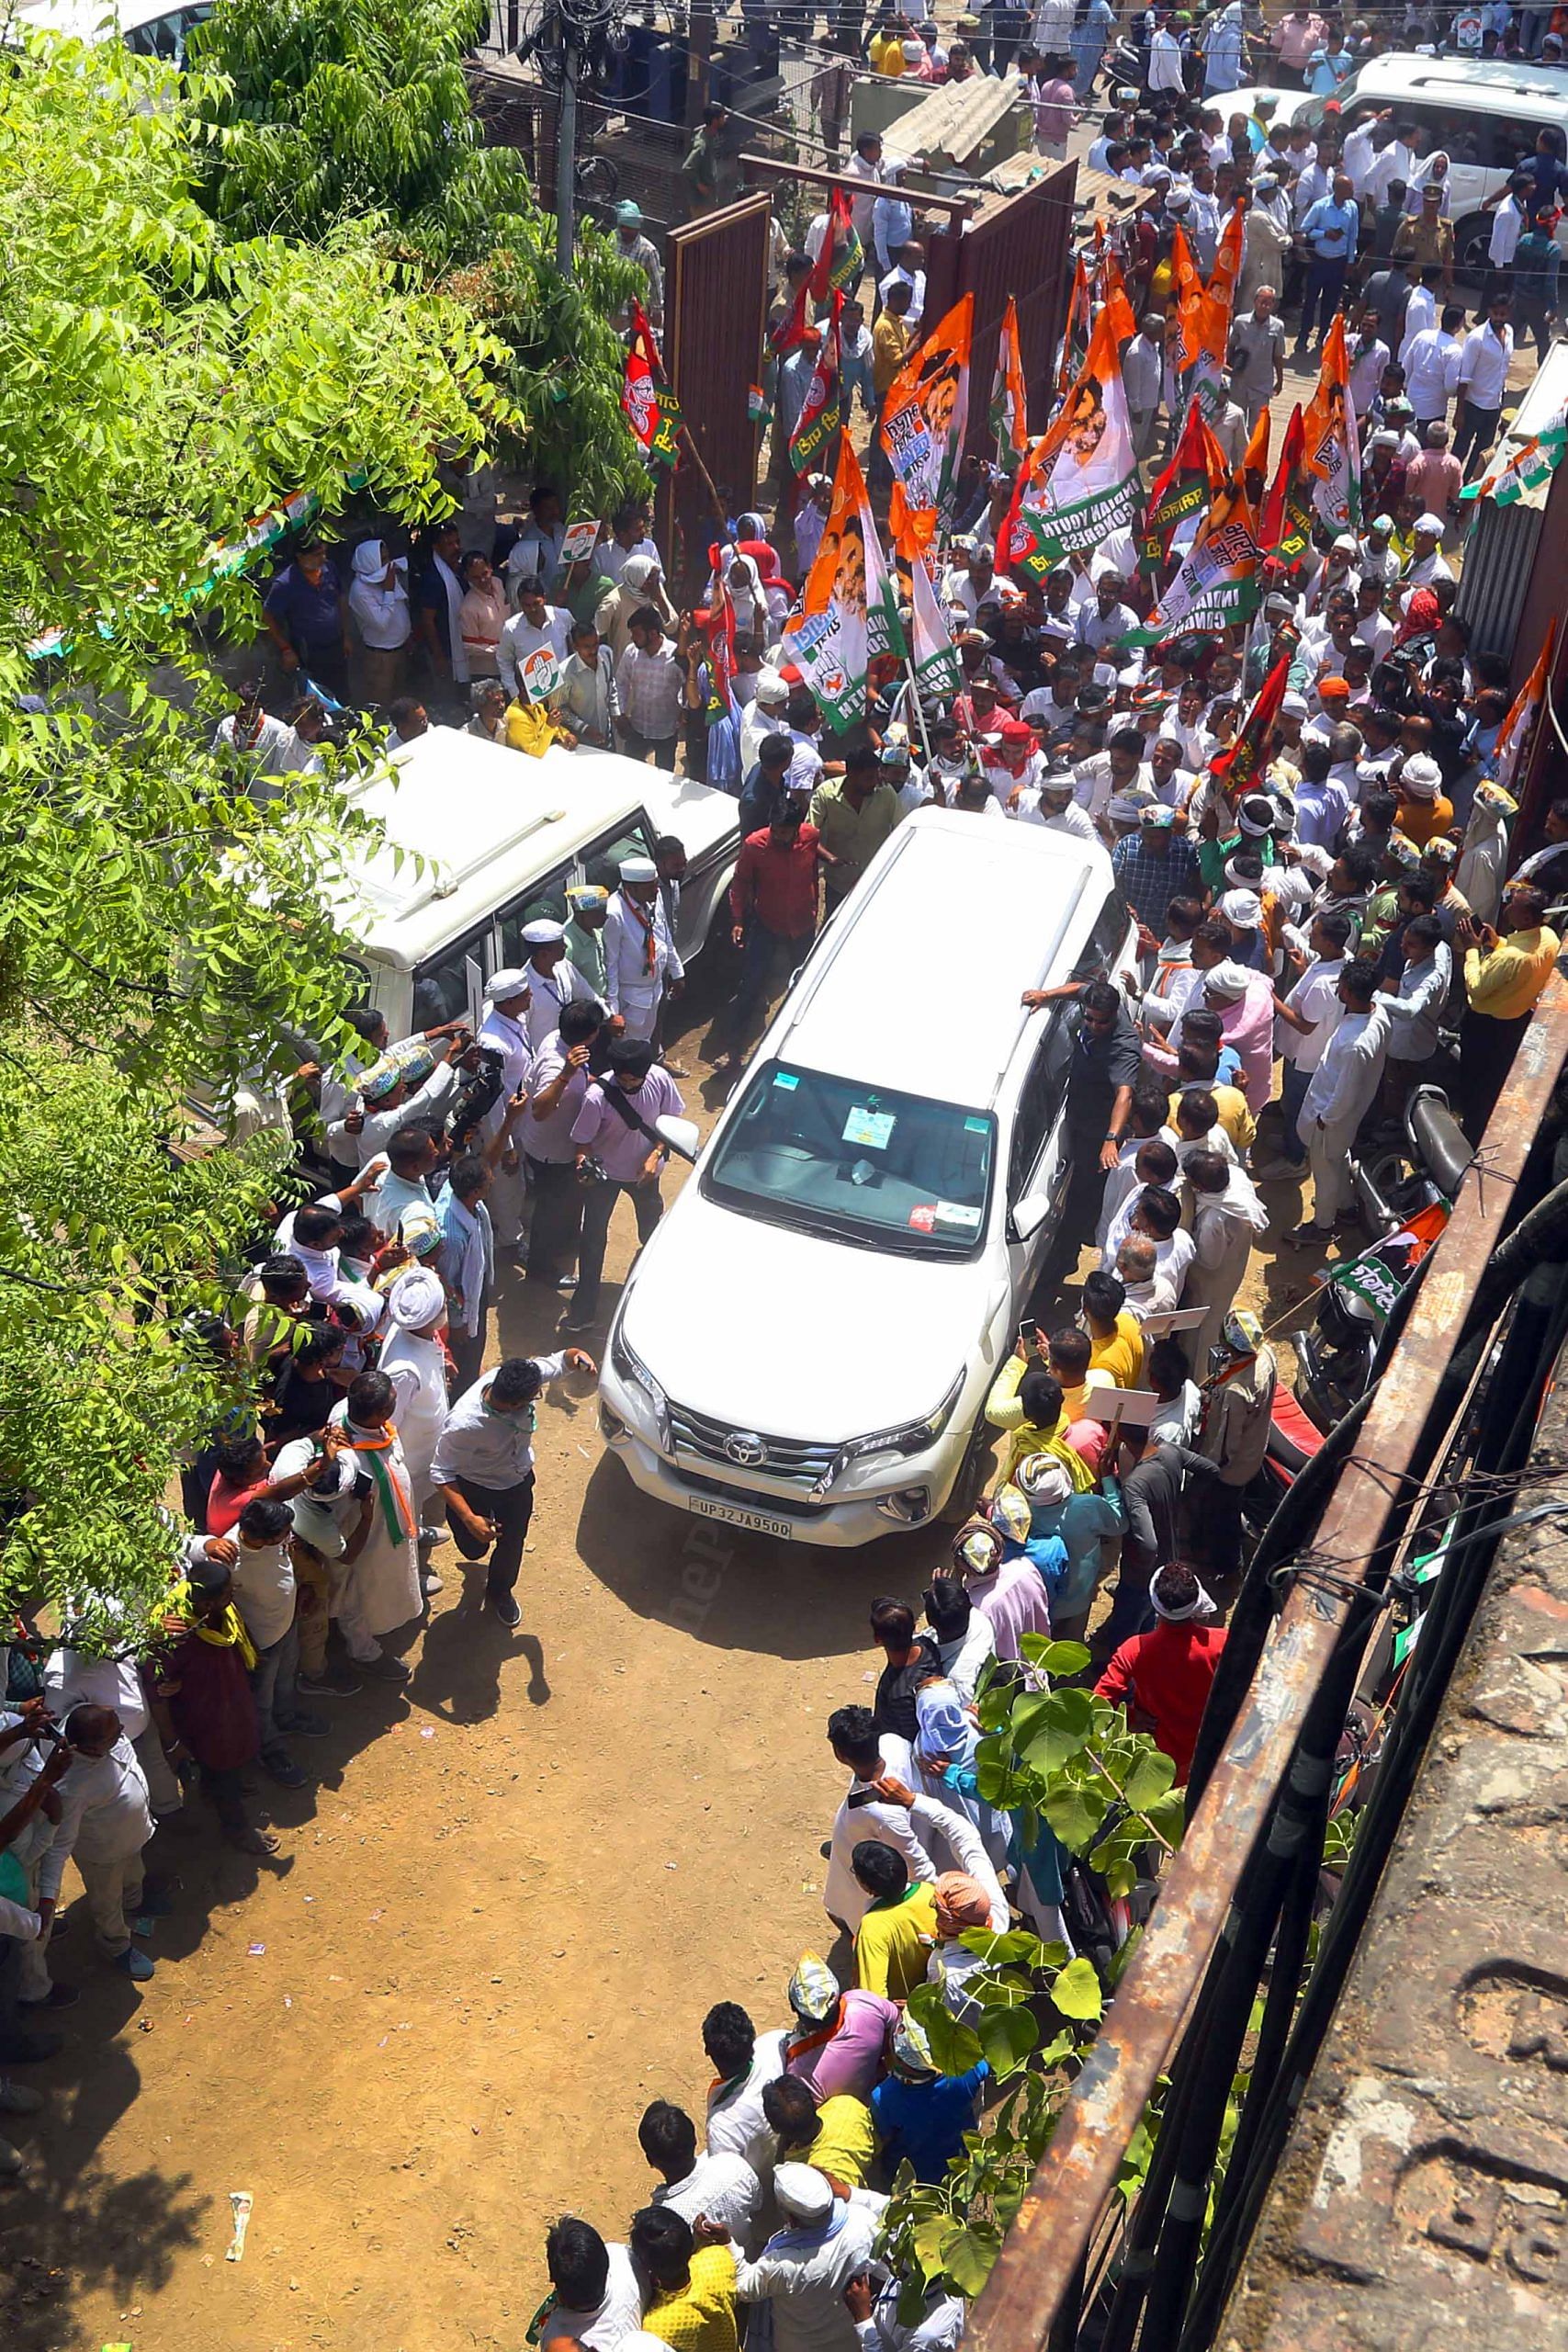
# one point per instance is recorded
(806, 1345)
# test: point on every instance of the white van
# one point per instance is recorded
(148, 28)
(1483, 113)
(806, 1345)
(496, 838)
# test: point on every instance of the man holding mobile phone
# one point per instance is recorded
(484, 1467)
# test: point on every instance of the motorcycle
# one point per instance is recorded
(1404, 1191)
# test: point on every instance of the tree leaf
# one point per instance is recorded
(1006, 2037)
(1077, 1991)
(1075, 1810)
(969, 2253)
(1058, 1731)
(1150, 1777)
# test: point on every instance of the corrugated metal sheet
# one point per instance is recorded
(1499, 556)
(716, 296)
(958, 118)
(1018, 245)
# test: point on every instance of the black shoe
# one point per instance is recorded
(576, 1324)
(335, 1683)
(279, 1766)
(505, 1608)
(31, 2049)
(59, 1997)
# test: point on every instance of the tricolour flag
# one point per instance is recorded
(935, 656)
(1514, 736)
(848, 614)
(1237, 769)
(1189, 485)
(841, 259)
(1518, 466)
(1216, 581)
(1080, 480)
(1009, 403)
(820, 411)
(923, 420)
(1332, 453)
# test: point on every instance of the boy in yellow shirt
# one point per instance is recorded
(895, 1940)
(836, 2138)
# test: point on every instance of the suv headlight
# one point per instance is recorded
(910, 1437)
(631, 1367)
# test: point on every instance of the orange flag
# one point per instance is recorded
(1255, 459)
(923, 428)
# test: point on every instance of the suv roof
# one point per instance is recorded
(917, 984)
(488, 806)
(1483, 81)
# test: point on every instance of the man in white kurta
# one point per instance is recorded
(415, 1362)
(641, 961)
(1339, 1094)
(104, 1822)
(552, 981)
(1226, 1220)
(807, 2264)
(377, 1588)
(505, 1030)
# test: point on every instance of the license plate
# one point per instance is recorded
(735, 1515)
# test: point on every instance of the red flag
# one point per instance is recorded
(1236, 769)
(1075, 334)
(791, 331)
(1187, 485)
(842, 256)
(1285, 529)
(640, 387)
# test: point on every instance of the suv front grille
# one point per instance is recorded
(793, 1461)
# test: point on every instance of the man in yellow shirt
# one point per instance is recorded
(835, 2135)
(1503, 977)
(1026, 1402)
(692, 2302)
(890, 339)
(1115, 1334)
(893, 1941)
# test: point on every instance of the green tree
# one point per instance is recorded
(163, 384)
(322, 111)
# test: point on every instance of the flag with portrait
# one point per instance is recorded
(848, 612)
(1331, 453)
(1080, 480)
(1216, 584)
(923, 422)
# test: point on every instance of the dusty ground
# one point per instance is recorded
(488, 1939)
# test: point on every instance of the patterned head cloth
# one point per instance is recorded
(813, 1989)
(1404, 852)
(978, 1548)
(1244, 1332)
(1496, 797)
(1009, 1514)
(911, 2050)
(1043, 1480)
(418, 1230)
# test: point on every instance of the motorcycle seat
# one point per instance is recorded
(1439, 1139)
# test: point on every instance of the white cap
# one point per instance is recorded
(803, 2192)
(1421, 778)
(771, 687)
(639, 869)
(415, 1299)
(1433, 522)
(1226, 979)
(1245, 908)
(543, 933)
(506, 985)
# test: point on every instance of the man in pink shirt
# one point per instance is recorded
(841, 2038)
(1435, 475)
(1007, 1593)
(1245, 1003)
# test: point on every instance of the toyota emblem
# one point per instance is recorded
(746, 1449)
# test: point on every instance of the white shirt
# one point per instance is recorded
(1507, 228)
(1431, 363)
(1484, 365)
(805, 2284)
(628, 980)
(72, 1680)
(736, 2124)
(493, 1449)
(963, 1660)
(1347, 1077)
(520, 637)
(915, 279)
(1164, 62)
(1392, 162)
(264, 1590)
(103, 1811)
(417, 1370)
(1420, 313)
(1315, 997)
(721, 2185)
(844, 1897)
(619, 2315)
(380, 1126)
(548, 991)
(940, 2327)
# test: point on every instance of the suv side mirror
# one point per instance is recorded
(681, 1134)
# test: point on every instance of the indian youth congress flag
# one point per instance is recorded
(1331, 453)
(1080, 480)
(923, 422)
(849, 613)
(1216, 581)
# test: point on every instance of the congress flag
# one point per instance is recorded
(1285, 531)
(1514, 736)
(1332, 453)
(935, 656)
(923, 422)
(1080, 479)
(1216, 581)
(1238, 769)
(1009, 403)
(849, 613)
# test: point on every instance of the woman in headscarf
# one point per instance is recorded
(1434, 170)
(1422, 615)
(776, 589)
(379, 599)
(641, 583)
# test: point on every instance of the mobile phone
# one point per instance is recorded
(1029, 1331)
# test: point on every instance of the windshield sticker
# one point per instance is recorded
(954, 1213)
(871, 1129)
(924, 1215)
(782, 1078)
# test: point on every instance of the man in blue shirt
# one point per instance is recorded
(306, 618)
(918, 2112)
(1329, 235)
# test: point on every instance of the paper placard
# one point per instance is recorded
(538, 673)
(1175, 1319)
(1135, 1408)
(580, 539)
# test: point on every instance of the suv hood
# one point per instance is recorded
(820, 1340)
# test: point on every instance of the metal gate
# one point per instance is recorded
(715, 302)
(1021, 246)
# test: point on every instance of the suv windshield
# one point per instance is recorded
(830, 1156)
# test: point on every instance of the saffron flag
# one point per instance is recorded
(723, 712)
(1285, 531)
(1332, 453)
(848, 611)
(1237, 769)
(1010, 405)
(1076, 333)
(841, 259)
(923, 422)
(820, 411)
(1216, 581)
(1514, 736)
(1114, 295)
(1255, 459)
(1080, 480)
(934, 653)
(1189, 483)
